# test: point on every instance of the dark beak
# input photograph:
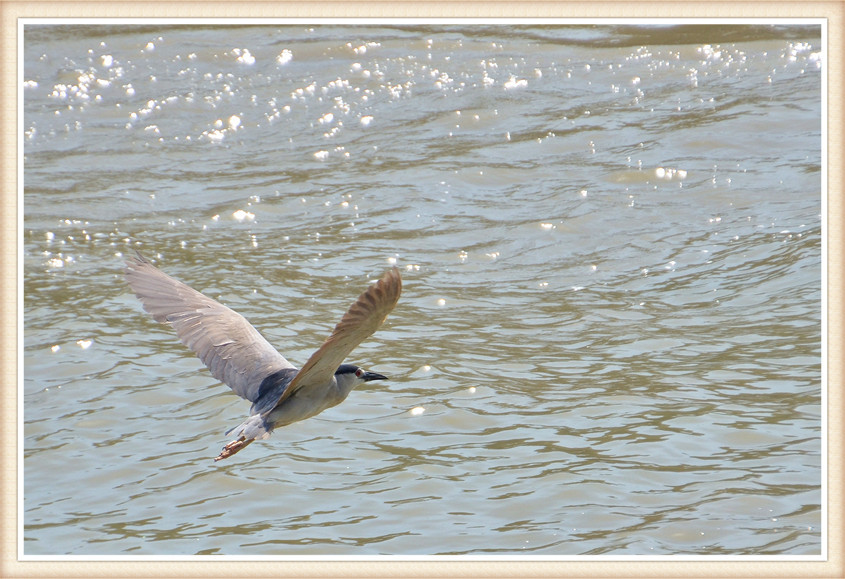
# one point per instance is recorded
(367, 376)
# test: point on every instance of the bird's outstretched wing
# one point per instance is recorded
(359, 322)
(232, 349)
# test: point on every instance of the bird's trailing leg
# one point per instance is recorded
(233, 447)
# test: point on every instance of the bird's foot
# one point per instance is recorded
(233, 447)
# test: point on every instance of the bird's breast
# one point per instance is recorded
(305, 403)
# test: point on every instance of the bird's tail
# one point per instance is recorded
(253, 428)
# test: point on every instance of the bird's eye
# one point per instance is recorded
(359, 372)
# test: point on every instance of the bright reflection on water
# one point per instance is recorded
(609, 340)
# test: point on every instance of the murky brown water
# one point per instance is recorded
(611, 243)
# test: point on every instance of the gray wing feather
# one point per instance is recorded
(224, 340)
(362, 319)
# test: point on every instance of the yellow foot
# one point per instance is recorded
(233, 447)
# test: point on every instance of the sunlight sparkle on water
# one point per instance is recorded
(284, 57)
(242, 215)
(244, 56)
(670, 174)
(513, 83)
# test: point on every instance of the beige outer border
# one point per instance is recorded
(10, 566)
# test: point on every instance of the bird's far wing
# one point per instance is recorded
(232, 349)
(359, 322)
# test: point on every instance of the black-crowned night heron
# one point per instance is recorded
(238, 355)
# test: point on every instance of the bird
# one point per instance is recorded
(239, 356)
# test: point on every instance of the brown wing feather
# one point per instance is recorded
(359, 322)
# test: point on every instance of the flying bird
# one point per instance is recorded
(240, 357)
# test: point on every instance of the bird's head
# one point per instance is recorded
(348, 376)
(350, 372)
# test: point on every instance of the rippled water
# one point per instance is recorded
(610, 336)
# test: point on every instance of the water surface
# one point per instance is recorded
(609, 340)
